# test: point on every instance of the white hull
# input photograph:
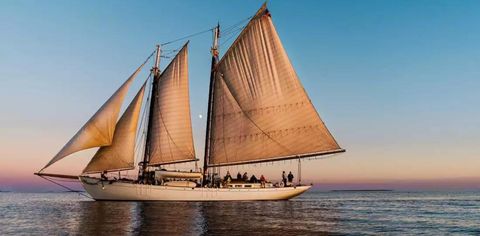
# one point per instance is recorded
(123, 191)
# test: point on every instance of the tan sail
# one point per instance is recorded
(120, 154)
(171, 138)
(99, 129)
(261, 112)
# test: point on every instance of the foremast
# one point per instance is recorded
(156, 76)
(214, 51)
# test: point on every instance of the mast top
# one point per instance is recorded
(216, 35)
(155, 68)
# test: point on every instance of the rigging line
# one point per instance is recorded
(139, 140)
(140, 145)
(205, 31)
(148, 108)
(170, 52)
(139, 137)
(236, 24)
(68, 188)
(65, 180)
(234, 31)
(141, 128)
(231, 36)
(148, 58)
(188, 36)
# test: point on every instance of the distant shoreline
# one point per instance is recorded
(362, 190)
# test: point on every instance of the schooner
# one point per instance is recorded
(258, 111)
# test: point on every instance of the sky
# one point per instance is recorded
(396, 82)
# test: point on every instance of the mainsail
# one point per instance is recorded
(120, 154)
(260, 110)
(100, 128)
(170, 138)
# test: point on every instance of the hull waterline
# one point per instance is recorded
(124, 191)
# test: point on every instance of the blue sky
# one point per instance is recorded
(395, 81)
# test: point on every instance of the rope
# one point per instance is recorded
(68, 188)
(64, 180)
(140, 127)
(231, 36)
(148, 58)
(234, 29)
(188, 36)
(227, 31)
(145, 121)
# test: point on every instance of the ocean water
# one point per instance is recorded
(313, 213)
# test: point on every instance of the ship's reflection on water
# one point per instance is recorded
(206, 218)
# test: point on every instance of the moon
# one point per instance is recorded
(200, 116)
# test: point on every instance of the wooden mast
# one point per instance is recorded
(216, 35)
(156, 74)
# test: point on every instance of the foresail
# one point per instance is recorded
(261, 112)
(120, 154)
(99, 129)
(170, 131)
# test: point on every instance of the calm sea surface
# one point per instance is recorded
(314, 213)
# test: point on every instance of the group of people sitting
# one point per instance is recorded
(228, 178)
(253, 179)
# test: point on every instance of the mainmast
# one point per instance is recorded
(156, 74)
(214, 51)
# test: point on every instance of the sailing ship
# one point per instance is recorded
(258, 111)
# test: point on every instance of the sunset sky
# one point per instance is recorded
(396, 82)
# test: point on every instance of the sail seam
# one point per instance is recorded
(223, 126)
(305, 155)
(250, 119)
(171, 138)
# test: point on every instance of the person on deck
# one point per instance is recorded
(262, 181)
(253, 179)
(284, 179)
(103, 175)
(245, 177)
(228, 177)
(208, 180)
(239, 176)
(216, 180)
(290, 177)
